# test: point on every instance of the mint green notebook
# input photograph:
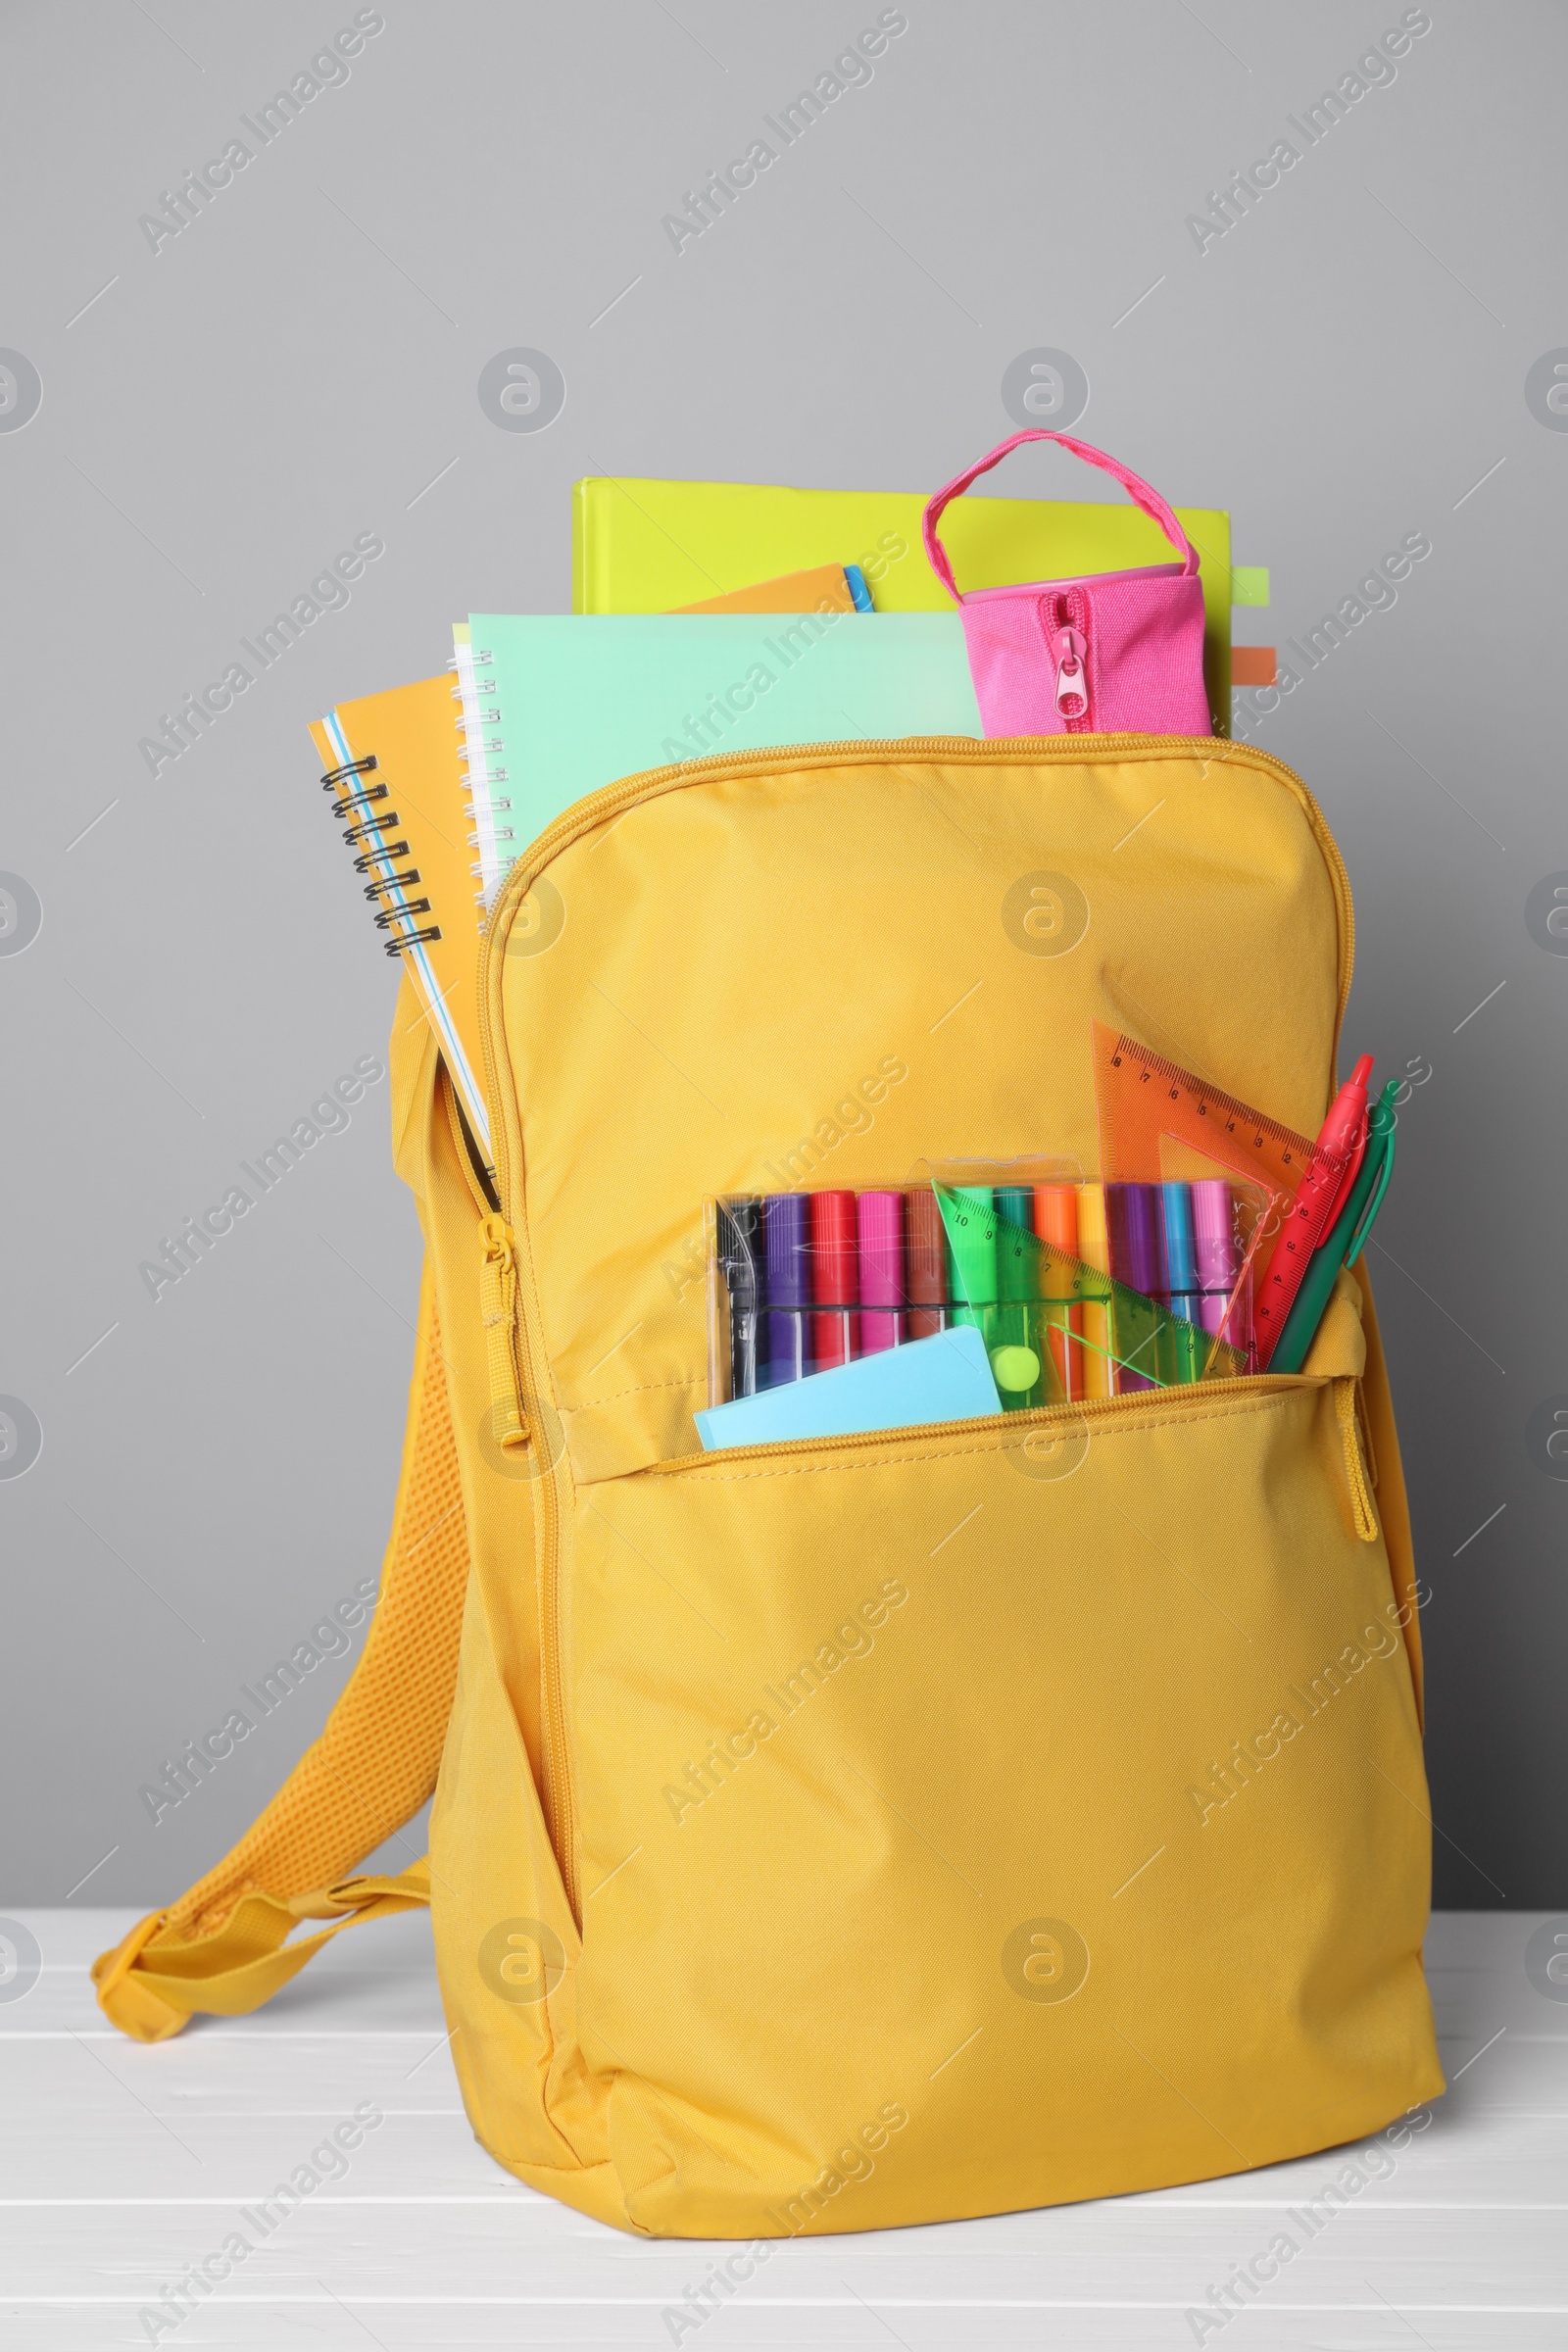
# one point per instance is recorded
(558, 706)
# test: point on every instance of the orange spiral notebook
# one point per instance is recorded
(822, 589)
(394, 766)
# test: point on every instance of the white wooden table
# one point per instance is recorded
(121, 2166)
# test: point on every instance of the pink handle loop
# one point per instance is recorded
(1152, 505)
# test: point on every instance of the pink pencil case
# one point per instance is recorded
(1113, 653)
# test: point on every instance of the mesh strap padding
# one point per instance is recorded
(376, 1759)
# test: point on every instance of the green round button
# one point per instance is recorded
(1015, 1368)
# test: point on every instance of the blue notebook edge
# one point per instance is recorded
(944, 1378)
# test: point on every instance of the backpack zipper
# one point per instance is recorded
(517, 1292)
(517, 1423)
(1085, 1411)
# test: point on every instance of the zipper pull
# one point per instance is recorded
(498, 1276)
(498, 1300)
(1362, 1511)
(500, 1244)
(1072, 686)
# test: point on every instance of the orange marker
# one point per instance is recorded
(1056, 1222)
(1094, 1250)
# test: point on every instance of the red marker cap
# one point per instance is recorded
(1345, 1132)
(834, 1250)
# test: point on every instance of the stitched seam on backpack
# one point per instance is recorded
(902, 1460)
(645, 1388)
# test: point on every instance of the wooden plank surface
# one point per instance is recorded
(122, 2165)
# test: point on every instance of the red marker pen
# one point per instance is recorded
(835, 1279)
(1324, 1186)
(1360, 1078)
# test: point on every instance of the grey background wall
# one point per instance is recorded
(1349, 364)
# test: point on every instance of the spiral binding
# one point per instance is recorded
(358, 800)
(352, 767)
(480, 745)
(371, 858)
(374, 824)
(377, 856)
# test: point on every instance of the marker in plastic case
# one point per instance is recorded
(1132, 1221)
(1215, 1254)
(1056, 1222)
(1181, 1292)
(971, 1254)
(740, 1245)
(925, 1262)
(787, 1223)
(836, 1336)
(1015, 1332)
(1094, 1248)
(879, 1219)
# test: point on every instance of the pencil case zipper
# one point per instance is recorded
(1068, 638)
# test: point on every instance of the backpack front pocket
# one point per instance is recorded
(1054, 1781)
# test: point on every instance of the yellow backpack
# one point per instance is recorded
(830, 1836)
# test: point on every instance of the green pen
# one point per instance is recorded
(1344, 1243)
(971, 1229)
(1014, 1343)
(980, 1244)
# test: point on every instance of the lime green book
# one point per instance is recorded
(648, 546)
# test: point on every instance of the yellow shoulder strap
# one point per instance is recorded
(222, 1947)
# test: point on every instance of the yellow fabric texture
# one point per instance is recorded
(841, 1835)
(833, 1746)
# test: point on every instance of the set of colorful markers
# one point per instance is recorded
(814, 1280)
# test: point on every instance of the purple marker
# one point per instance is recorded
(1214, 1249)
(1133, 1230)
(787, 1226)
(880, 1218)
